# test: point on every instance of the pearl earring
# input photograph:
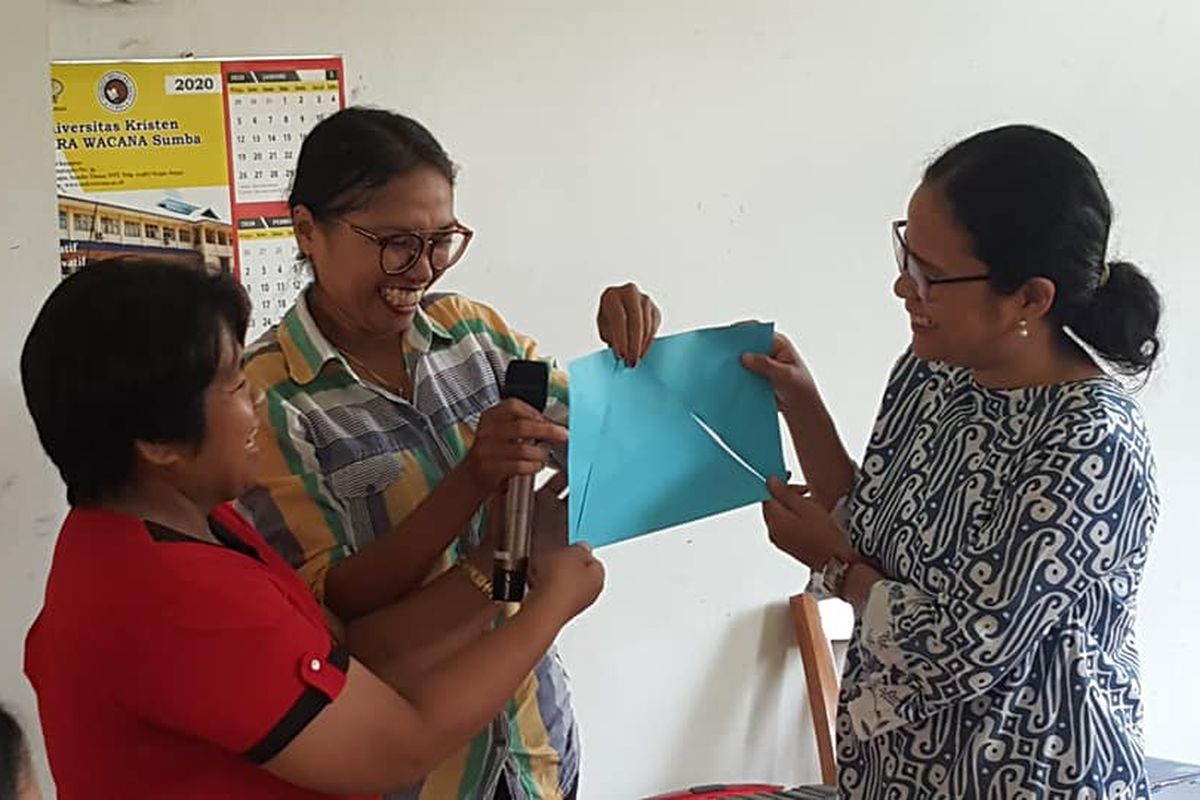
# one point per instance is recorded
(1023, 329)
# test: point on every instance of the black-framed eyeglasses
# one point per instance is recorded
(400, 252)
(916, 269)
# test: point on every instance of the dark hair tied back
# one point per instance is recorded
(1034, 206)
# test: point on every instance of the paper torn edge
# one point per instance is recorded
(716, 437)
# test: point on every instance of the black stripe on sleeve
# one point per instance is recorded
(305, 709)
(339, 657)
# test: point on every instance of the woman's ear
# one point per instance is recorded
(1036, 298)
(157, 454)
(305, 226)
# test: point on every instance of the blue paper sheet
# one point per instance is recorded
(686, 434)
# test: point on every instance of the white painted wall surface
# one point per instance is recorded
(738, 160)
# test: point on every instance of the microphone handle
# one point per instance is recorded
(512, 558)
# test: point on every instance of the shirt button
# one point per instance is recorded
(314, 665)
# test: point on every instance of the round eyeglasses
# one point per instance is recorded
(916, 269)
(400, 252)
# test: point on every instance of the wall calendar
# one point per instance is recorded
(190, 160)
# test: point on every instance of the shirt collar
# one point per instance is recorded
(425, 331)
(306, 350)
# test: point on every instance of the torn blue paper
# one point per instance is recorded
(686, 434)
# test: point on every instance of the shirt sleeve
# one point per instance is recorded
(557, 401)
(293, 506)
(1076, 518)
(512, 344)
(840, 515)
(223, 655)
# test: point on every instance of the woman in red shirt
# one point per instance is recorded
(176, 656)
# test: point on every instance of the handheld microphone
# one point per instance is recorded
(527, 381)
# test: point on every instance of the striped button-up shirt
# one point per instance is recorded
(343, 461)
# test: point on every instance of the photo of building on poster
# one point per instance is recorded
(92, 229)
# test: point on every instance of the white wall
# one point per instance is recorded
(31, 499)
(738, 160)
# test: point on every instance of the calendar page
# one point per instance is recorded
(270, 106)
(270, 271)
(189, 161)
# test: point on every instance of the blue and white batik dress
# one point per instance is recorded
(998, 658)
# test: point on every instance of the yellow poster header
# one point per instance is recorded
(129, 126)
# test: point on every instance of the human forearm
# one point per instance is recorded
(828, 469)
(492, 666)
(395, 563)
(403, 640)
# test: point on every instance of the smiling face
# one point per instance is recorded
(351, 287)
(228, 457)
(966, 322)
(224, 465)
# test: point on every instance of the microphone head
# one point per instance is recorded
(527, 381)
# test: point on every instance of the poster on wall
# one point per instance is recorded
(189, 160)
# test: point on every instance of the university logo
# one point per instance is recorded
(116, 91)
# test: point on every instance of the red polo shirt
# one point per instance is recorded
(170, 668)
